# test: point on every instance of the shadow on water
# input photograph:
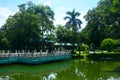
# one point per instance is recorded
(104, 57)
(75, 69)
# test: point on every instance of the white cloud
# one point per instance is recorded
(60, 13)
(4, 14)
(44, 2)
(48, 3)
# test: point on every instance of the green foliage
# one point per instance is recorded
(117, 43)
(25, 28)
(103, 21)
(111, 44)
(3, 40)
(108, 44)
(84, 47)
(83, 37)
(63, 34)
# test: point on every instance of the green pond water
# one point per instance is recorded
(66, 70)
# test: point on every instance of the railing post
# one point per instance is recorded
(47, 53)
(3, 53)
(7, 53)
(40, 52)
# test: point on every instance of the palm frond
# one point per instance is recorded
(77, 14)
(69, 13)
(73, 11)
(67, 17)
(73, 22)
(78, 24)
(79, 21)
(68, 24)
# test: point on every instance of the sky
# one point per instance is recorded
(60, 7)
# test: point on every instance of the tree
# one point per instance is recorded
(47, 17)
(3, 40)
(103, 21)
(63, 34)
(23, 29)
(73, 23)
(108, 44)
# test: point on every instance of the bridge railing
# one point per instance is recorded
(29, 54)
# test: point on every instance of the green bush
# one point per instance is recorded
(108, 44)
(84, 47)
(117, 43)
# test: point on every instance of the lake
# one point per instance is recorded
(75, 69)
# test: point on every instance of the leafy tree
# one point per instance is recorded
(63, 34)
(3, 40)
(23, 30)
(103, 21)
(108, 44)
(47, 17)
(117, 43)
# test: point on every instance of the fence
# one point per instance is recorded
(33, 57)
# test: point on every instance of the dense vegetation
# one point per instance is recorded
(26, 29)
(103, 22)
(32, 26)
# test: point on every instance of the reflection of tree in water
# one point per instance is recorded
(117, 70)
(116, 73)
(98, 70)
(90, 70)
(75, 70)
(36, 72)
(21, 75)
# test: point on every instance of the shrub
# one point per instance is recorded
(117, 43)
(84, 47)
(108, 44)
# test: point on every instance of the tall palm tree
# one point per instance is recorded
(73, 22)
(47, 17)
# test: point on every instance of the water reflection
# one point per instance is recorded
(4, 78)
(51, 76)
(67, 70)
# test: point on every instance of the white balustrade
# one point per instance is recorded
(32, 54)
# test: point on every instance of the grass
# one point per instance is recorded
(99, 55)
(85, 53)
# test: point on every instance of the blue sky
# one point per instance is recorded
(60, 7)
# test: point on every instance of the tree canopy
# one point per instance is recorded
(32, 24)
(25, 28)
(103, 21)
